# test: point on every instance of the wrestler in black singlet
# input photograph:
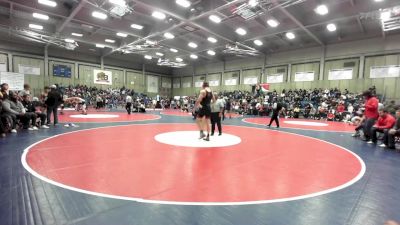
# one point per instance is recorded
(205, 110)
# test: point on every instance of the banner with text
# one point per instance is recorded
(341, 74)
(304, 76)
(384, 71)
(275, 78)
(28, 70)
(15, 81)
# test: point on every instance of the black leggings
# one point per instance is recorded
(215, 119)
(274, 117)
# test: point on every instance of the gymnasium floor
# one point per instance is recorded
(151, 169)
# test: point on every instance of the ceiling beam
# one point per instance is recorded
(67, 20)
(11, 10)
(296, 21)
(360, 25)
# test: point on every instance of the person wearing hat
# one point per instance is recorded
(54, 99)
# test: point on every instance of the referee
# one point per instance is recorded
(217, 108)
(277, 108)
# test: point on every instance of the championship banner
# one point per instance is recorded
(230, 82)
(102, 77)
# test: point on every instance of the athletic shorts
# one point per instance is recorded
(205, 111)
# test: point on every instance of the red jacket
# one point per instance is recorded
(340, 108)
(371, 108)
(385, 122)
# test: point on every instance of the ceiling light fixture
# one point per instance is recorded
(258, 42)
(69, 40)
(321, 10)
(158, 15)
(179, 59)
(48, 3)
(137, 26)
(40, 16)
(99, 15)
(159, 54)
(121, 3)
(253, 3)
(193, 56)
(150, 42)
(148, 57)
(183, 3)
(385, 15)
(241, 31)
(215, 19)
(173, 50)
(378, 0)
(272, 23)
(122, 35)
(100, 46)
(169, 35)
(212, 40)
(35, 26)
(290, 35)
(77, 34)
(331, 27)
(192, 45)
(210, 52)
(110, 41)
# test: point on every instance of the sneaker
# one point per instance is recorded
(30, 128)
(13, 131)
(219, 134)
(3, 135)
(35, 128)
(45, 127)
(202, 135)
(356, 134)
(382, 146)
(73, 125)
(66, 125)
(370, 142)
(212, 134)
(207, 138)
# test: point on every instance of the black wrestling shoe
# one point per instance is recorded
(207, 138)
(202, 135)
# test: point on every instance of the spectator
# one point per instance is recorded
(30, 107)
(390, 134)
(385, 121)
(26, 91)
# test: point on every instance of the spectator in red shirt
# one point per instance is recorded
(385, 122)
(390, 134)
(370, 113)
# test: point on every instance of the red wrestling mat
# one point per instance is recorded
(304, 124)
(138, 162)
(180, 113)
(104, 117)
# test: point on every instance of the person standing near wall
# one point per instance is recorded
(54, 99)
